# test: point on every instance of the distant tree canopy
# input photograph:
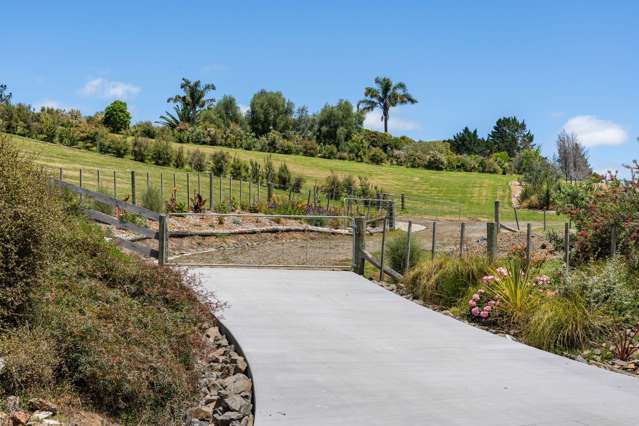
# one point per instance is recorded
(510, 135)
(468, 142)
(225, 113)
(270, 111)
(336, 124)
(188, 104)
(385, 96)
(5, 96)
(572, 157)
(117, 117)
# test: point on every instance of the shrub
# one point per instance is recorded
(332, 187)
(328, 151)
(141, 149)
(376, 156)
(180, 158)
(309, 148)
(296, 185)
(238, 169)
(435, 161)
(489, 165)
(145, 129)
(30, 360)
(152, 199)
(219, 163)
(283, 178)
(27, 229)
(118, 146)
(396, 252)
(162, 152)
(445, 280)
(560, 323)
(197, 160)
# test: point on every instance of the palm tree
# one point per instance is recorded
(173, 120)
(385, 96)
(192, 101)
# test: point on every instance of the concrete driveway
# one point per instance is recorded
(330, 348)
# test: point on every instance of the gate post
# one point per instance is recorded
(163, 240)
(359, 244)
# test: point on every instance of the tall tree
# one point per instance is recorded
(225, 113)
(468, 142)
(385, 96)
(117, 116)
(5, 97)
(193, 99)
(270, 111)
(572, 157)
(510, 135)
(336, 124)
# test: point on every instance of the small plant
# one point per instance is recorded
(481, 307)
(625, 344)
(197, 204)
(152, 199)
(396, 252)
(173, 205)
(197, 160)
(513, 288)
(220, 220)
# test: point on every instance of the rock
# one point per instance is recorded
(237, 383)
(19, 417)
(12, 403)
(236, 403)
(240, 362)
(213, 333)
(202, 412)
(39, 416)
(229, 416)
(39, 404)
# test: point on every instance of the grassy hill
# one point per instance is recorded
(428, 193)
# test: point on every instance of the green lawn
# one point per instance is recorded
(428, 193)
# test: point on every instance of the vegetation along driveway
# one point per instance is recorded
(330, 348)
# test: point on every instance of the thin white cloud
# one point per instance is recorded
(373, 121)
(243, 108)
(593, 131)
(108, 89)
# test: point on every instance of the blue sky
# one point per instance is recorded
(556, 64)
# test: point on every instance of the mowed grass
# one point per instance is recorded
(435, 194)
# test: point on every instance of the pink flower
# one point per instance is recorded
(488, 308)
(472, 303)
(476, 297)
(492, 303)
(542, 280)
(484, 314)
(488, 279)
(502, 271)
(475, 311)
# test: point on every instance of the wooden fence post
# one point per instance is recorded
(497, 216)
(81, 174)
(240, 203)
(408, 231)
(528, 243)
(199, 188)
(133, 187)
(230, 190)
(516, 218)
(211, 202)
(115, 186)
(544, 219)
(491, 240)
(220, 195)
(613, 241)
(269, 195)
(163, 241)
(188, 190)
(259, 183)
(462, 237)
(61, 174)
(97, 177)
(567, 245)
(403, 201)
(433, 241)
(381, 255)
(148, 180)
(359, 244)
(250, 194)
(174, 184)
(162, 187)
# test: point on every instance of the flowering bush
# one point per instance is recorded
(481, 306)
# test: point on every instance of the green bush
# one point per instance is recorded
(396, 252)
(561, 323)
(180, 159)
(27, 229)
(152, 199)
(445, 280)
(376, 156)
(141, 149)
(219, 163)
(197, 160)
(283, 178)
(162, 152)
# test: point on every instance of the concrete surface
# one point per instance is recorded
(330, 348)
